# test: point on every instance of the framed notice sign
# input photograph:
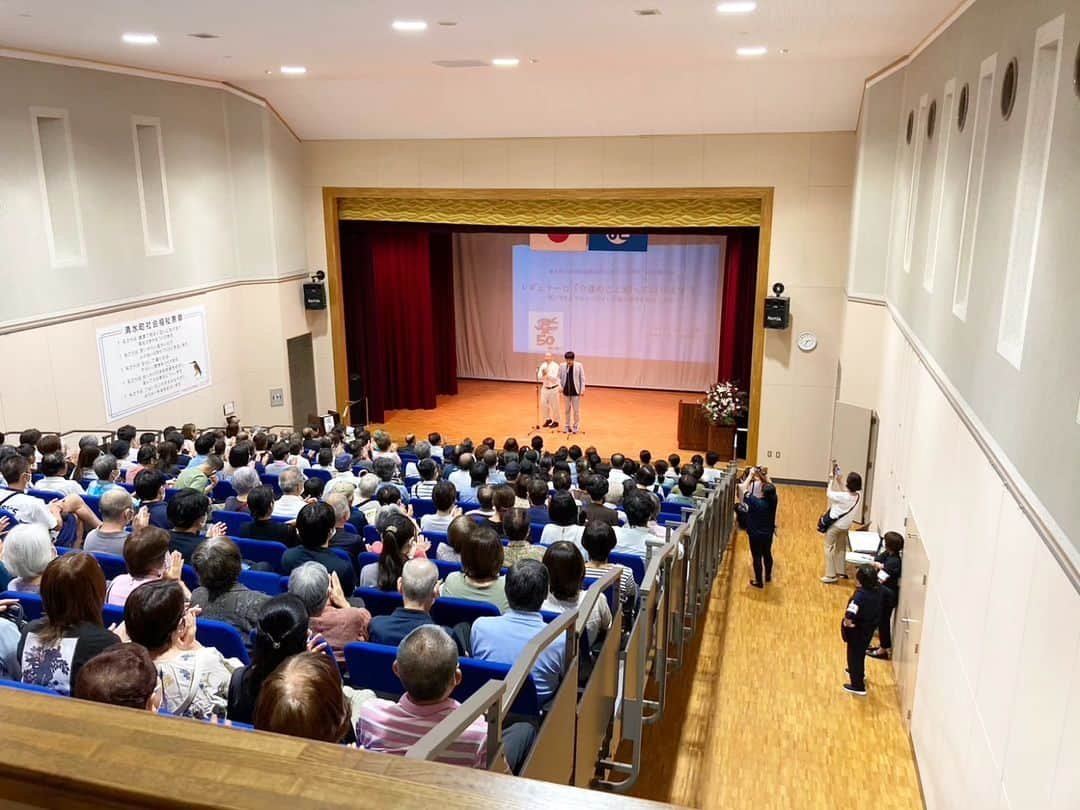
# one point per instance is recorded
(150, 360)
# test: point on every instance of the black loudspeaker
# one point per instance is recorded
(777, 312)
(358, 412)
(314, 296)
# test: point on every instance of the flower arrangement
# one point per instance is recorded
(723, 402)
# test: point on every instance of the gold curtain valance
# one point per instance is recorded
(698, 208)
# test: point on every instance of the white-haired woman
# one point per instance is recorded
(243, 481)
(28, 549)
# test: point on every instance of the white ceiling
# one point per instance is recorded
(600, 69)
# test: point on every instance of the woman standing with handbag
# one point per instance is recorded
(843, 497)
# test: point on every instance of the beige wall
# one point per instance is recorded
(233, 174)
(812, 176)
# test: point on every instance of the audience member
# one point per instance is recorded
(399, 544)
(566, 575)
(84, 462)
(203, 446)
(150, 492)
(369, 504)
(444, 496)
(203, 477)
(70, 632)
(315, 526)
(291, 483)
(187, 513)
(53, 467)
(419, 587)
(502, 638)
(194, 678)
(281, 632)
(632, 538)
(427, 664)
(760, 520)
(519, 536)
(425, 486)
(243, 480)
(28, 550)
(460, 528)
(385, 470)
(145, 458)
(329, 611)
(117, 512)
(480, 577)
(563, 510)
(683, 491)
(303, 698)
(599, 541)
(349, 541)
(262, 525)
(596, 487)
(148, 559)
(538, 495)
(16, 472)
(460, 477)
(106, 473)
(220, 595)
(121, 675)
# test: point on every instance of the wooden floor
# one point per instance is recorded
(613, 419)
(766, 724)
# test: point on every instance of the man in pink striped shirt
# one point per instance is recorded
(427, 664)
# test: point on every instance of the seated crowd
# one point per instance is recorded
(523, 528)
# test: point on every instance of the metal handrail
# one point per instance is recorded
(526, 660)
(487, 701)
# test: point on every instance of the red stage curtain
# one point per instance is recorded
(396, 341)
(737, 305)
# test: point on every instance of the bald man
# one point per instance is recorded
(547, 375)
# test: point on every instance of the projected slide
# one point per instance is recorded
(659, 305)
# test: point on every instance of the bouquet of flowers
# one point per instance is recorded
(723, 402)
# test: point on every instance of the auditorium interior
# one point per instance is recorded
(802, 274)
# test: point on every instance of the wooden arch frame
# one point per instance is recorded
(682, 207)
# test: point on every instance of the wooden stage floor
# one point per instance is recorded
(613, 419)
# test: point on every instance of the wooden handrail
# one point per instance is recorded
(65, 753)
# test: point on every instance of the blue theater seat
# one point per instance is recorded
(232, 520)
(266, 551)
(324, 475)
(266, 582)
(224, 637)
(635, 563)
(449, 612)
(379, 603)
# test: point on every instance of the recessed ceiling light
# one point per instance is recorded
(648, 12)
(784, 51)
(505, 61)
(204, 35)
(409, 25)
(447, 23)
(140, 39)
(736, 7)
(755, 50)
(293, 70)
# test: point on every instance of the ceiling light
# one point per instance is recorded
(755, 50)
(293, 70)
(648, 12)
(784, 51)
(409, 25)
(736, 7)
(505, 61)
(204, 35)
(140, 39)
(447, 23)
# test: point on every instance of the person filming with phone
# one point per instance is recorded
(844, 497)
(758, 496)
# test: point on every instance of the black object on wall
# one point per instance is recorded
(314, 296)
(777, 309)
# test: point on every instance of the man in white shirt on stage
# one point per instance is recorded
(572, 382)
(548, 377)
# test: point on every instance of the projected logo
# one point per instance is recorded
(547, 330)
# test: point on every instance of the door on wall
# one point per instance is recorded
(302, 378)
(908, 621)
(851, 446)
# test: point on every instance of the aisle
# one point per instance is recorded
(767, 724)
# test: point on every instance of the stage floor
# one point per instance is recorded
(613, 419)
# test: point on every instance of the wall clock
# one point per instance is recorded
(807, 341)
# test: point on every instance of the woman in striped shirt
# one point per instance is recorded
(598, 540)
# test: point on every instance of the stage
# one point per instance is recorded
(613, 419)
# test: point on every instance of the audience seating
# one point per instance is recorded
(265, 551)
(94, 502)
(325, 475)
(421, 507)
(536, 530)
(232, 520)
(44, 494)
(28, 687)
(271, 481)
(224, 637)
(449, 612)
(635, 563)
(267, 582)
(223, 490)
(379, 603)
(371, 667)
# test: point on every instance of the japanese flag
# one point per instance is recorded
(559, 241)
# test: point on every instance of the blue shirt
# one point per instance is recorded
(399, 487)
(198, 460)
(501, 639)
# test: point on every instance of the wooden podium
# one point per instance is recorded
(695, 433)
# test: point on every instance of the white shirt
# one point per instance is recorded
(572, 534)
(460, 479)
(599, 619)
(27, 508)
(435, 523)
(55, 483)
(840, 502)
(710, 474)
(548, 373)
(617, 477)
(632, 540)
(288, 506)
